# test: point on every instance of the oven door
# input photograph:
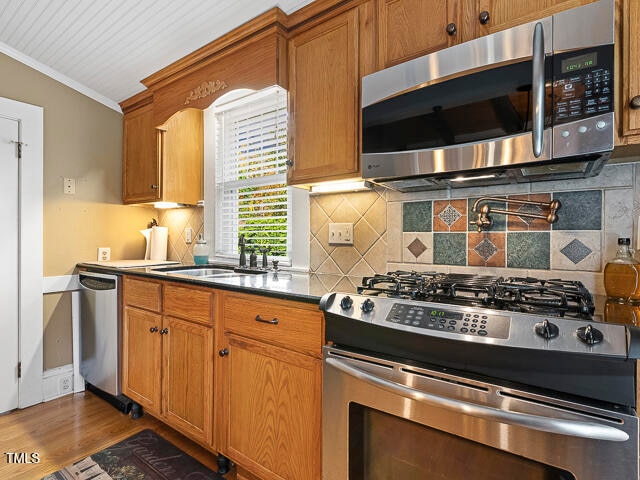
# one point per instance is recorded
(384, 420)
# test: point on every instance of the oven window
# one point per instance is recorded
(385, 447)
(485, 105)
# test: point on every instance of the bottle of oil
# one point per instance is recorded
(622, 284)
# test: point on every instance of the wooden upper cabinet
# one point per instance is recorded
(181, 152)
(324, 80)
(411, 28)
(630, 72)
(140, 171)
(504, 14)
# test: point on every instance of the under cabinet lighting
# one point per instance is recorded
(345, 186)
(167, 205)
(467, 179)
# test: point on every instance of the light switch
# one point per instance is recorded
(341, 233)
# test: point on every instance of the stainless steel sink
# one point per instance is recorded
(196, 272)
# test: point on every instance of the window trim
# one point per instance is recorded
(298, 205)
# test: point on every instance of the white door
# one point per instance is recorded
(9, 221)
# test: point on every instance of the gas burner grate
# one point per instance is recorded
(553, 297)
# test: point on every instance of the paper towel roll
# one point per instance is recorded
(159, 237)
(156, 243)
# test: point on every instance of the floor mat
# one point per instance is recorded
(144, 456)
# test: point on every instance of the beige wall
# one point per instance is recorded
(82, 140)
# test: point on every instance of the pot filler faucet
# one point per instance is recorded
(483, 220)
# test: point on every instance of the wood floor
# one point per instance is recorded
(71, 428)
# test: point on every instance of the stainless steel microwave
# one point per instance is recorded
(534, 102)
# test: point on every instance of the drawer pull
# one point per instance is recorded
(153, 329)
(224, 352)
(274, 321)
(635, 102)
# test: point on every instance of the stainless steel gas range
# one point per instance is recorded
(430, 375)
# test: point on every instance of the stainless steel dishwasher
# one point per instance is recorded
(100, 337)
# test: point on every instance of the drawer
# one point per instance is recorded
(297, 327)
(142, 293)
(189, 303)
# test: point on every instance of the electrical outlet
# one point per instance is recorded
(104, 254)
(341, 233)
(69, 186)
(188, 234)
(66, 384)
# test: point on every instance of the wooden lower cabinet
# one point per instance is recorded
(273, 405)
(141, 379)
(269, 387)
(187, 393)
(168, 361)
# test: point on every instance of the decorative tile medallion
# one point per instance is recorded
(518, 223)
(531, 209)
(486, 249)
(449, 215)
(576, 251)
(416, 248)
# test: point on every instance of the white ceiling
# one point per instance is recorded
(104, 48)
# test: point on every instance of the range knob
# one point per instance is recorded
(346, 303)
(367, 305)
(589, 335)
(546, 330)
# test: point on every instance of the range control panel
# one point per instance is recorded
(583, 84)
(466, 323)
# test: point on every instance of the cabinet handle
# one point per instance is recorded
(635, 102)
(164, 331)
(153, 329)
(289, 163)
(154, 187)
(274, 321)
(452, 29)
(224, 352)
(484, 17)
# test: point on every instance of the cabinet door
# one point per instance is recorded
(324, 77)
(272, 401)
(187, 398)
(141, 380)
(402, 28)
(507, 13)
(630, 19)
(140, 173)
(181, 150)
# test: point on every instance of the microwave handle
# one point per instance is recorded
(538, 89)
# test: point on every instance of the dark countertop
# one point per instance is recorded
(303, 287)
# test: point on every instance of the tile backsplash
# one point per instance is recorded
(432, 230)
(178, 219)
(441, 232)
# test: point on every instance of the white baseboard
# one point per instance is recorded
(58, 382)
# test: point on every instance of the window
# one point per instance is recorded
(250, 192)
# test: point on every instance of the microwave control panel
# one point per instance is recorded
(583, 84)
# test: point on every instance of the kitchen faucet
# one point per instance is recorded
(242, 243)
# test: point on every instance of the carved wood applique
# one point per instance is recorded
(204, 90)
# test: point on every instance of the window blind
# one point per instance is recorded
(251, 193)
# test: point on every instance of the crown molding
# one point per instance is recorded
(59, 77)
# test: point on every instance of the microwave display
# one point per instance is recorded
(584, 85)
(572, 64)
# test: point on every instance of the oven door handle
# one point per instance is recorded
(545, 424)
